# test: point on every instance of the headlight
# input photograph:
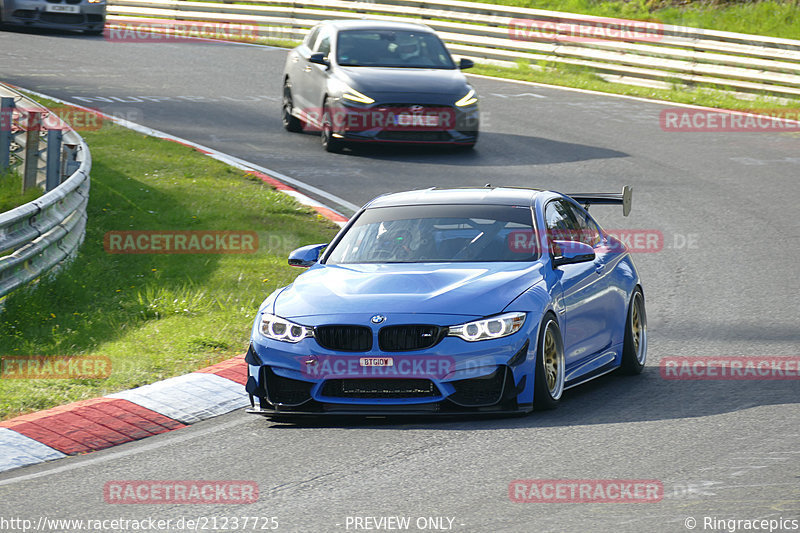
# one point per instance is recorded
(488, 328)
(468, 99)
(280, 329)
(349, 93)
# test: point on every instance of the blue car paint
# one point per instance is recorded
(589, 303)
(471, 289)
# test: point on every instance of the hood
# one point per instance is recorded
(405, 80)
(472, 289)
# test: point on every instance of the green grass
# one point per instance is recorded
(11, 194)
(154, 316)
(776, 19)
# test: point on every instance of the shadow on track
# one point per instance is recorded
(611, 399)
(492, 150)
(32, 30)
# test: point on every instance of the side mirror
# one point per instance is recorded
(465, 63)
(306, 256)
(571, 252)
(320, 59)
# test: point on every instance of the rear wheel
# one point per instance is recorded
(329, 142)
(549, 374)
(290, 122)
(634, 348)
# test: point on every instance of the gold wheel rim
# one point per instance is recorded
(551, 362)
(637, 327)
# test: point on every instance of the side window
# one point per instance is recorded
(311, 37)
(324, 45)
(589, 233)
(561, 222)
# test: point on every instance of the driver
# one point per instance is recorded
(407, 47)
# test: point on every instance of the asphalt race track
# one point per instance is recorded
(723, 282)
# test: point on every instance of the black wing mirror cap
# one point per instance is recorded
(571, 252)
(320, 59)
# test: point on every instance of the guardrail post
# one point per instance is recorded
(68, 163)
(31, 166)
(53, 159)
(6, 121)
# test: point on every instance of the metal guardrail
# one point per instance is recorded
(623, 50)
(37, 236)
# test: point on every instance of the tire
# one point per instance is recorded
(634, 348)
(329, 142)
(290, 122)
(548, 383)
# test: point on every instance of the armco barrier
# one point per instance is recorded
(37, 236)
(622, 50)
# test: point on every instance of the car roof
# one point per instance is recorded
(473, 195)
(369, 24)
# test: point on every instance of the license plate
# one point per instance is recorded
(61, 8)
(427, 121)
(376, 361)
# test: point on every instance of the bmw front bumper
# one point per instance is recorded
(451, 377)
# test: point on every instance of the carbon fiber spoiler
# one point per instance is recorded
(607, 198)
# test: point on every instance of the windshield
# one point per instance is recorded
(391, 48)
(438, 233)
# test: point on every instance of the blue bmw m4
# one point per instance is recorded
(451, 301)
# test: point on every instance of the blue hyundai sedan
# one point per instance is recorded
(451, 301)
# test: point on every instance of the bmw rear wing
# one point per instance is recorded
(607, 198)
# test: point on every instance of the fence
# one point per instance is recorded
(621, 50)
(37, 236)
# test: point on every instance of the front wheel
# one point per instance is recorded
(634, 348)
(548, 383)
(329, 142)
(290, 122)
